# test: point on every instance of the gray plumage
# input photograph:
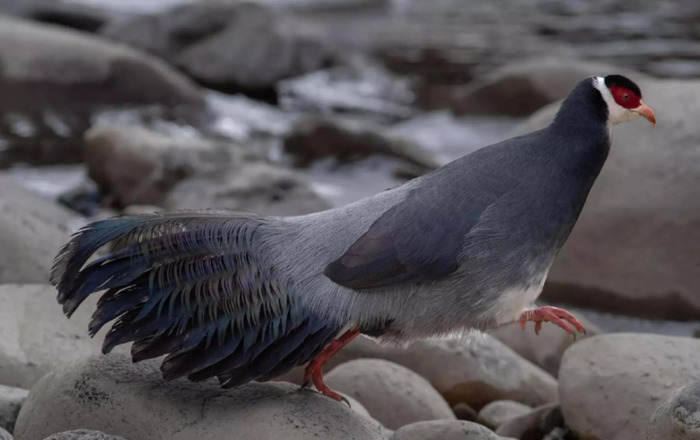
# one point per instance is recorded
(246, 298)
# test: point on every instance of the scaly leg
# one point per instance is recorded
(555, 315)
(314, 371)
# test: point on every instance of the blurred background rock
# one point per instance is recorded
(286, 107)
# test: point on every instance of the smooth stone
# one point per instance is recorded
(610, 385)
(393, 395)
(445, 430)
(111, 394)
(83, 434)
(500, 412)
(11, 400)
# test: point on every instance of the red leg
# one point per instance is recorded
(555, 315)
(314, 371)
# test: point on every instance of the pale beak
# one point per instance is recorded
(645, 111)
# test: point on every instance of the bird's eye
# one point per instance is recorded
(626, 97)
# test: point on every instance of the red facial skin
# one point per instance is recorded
(625, 97)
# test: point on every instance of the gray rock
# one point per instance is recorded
(677, 417)
(110, 394)
(499, 412)
(610, 385)
(393, 395)
(82, 434)
(252, 187)
(4, 435)
(32, 229)
(226, 45)
(636, 245)
(75, 76)
(532, 424)
(521, 88)
(445, 430)
(545, 349)
(11, 400)
(136, 166)
(347, 140)
(465, 412)
(36, 337)
(475, 371)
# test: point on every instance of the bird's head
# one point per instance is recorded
(623, 98)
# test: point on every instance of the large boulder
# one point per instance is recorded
(521, 88)
(610, 385)
(445, 430)
(32, 230)
(110, 394)
(226, 45)
(36, 337)
(255, 187)
(393, 395)
(475, 371)
(135, 166)
(11, 400)
(636, 246)
(677, 417)
(52, 80)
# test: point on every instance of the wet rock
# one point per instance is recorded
(32, 229)
(445, 430)
(519, 89)
(499, 412)
(475, 371)
(349, 140)
(610, 385)
(252, 187)
(11, 400)
(53, 80)
(545, 349)
(677, 417)
(83, 434)
(534, 424)
(36, 336)
(226, 45)
(111, 394)
(133, 165)
(393, 395)
(636, 246)
(358, 87)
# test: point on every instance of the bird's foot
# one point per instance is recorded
(555, 315)
(314, 371)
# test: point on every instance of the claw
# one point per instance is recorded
(345, 401)
(557, 316)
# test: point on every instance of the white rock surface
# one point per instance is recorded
(476, 370)
(445, 430)
(610, 385)
(37, 337)
(678, 417)
(500, 412)
(110, 394)
(393, 395)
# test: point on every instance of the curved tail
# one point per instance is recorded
(196, 286)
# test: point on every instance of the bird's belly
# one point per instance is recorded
(515, 300)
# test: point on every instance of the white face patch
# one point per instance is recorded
(616, 112)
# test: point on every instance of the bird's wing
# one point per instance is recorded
(412, 241)
(189, 285)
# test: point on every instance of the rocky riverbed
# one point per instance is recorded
(287, 107)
